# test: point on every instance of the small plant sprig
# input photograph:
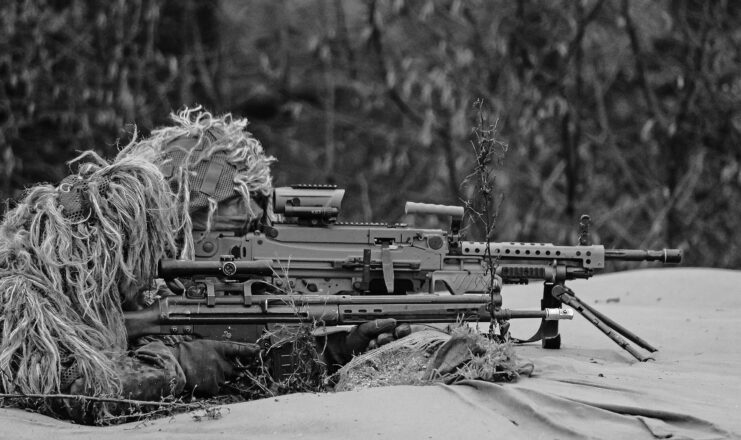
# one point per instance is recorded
(489, 152)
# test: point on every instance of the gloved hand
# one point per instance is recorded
(208, 364)
(338, 345)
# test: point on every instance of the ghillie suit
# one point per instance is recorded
(64, 253)
(70, 255)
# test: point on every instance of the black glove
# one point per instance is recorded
(208, 364)
(339, 345)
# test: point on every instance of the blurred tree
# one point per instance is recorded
(629, 110)
(75, 74)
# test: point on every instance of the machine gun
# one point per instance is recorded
(310, 267)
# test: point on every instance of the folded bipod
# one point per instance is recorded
(612, 329)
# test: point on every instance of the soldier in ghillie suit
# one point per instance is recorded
(72, 257)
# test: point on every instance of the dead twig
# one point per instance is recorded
(134, 402)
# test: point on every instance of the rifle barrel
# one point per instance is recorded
(662, 255)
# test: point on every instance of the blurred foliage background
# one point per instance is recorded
(629, 110)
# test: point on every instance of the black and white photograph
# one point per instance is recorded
(370, 219)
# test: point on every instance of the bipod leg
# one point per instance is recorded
(547, 333)
(620, 329)
(608, 326)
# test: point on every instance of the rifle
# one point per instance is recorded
(312, 268)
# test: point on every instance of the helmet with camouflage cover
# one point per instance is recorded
(217, 170)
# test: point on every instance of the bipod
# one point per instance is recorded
(612, 329)
(554, 295)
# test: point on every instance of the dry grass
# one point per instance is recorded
(432, 357)
(493, 361)
(402, 367)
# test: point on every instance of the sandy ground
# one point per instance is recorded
(588, 389)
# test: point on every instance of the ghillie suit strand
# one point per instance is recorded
(209, 160)
(63, 252)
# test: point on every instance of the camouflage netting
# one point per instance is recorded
(432, 356)
(212, 163)
(60, 271)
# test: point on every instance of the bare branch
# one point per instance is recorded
(640, 65)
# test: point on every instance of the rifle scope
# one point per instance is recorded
(169, 269)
